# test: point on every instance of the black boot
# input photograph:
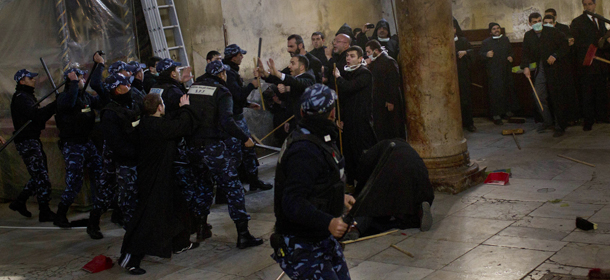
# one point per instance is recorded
(244, 238)
(46, 215)
(93, 228)
(256, 183)
(117, 217)
(19, 204)
(203, 229)
(60, 218)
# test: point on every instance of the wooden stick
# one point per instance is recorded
(338, 109)
(369, 237)
(282, 124)
(403, 251)
(260, 88)
(256, 138)
(281, 275)
(477, 85)
(516, 141)
(602, 60)
(575, 160)
(536, 94)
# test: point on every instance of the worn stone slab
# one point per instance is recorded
(526, 243)
(565, 225)
(498, 261)
(464, 229)
(534, 233)
(377, 270)
(590, 237)
(583, 255)
(566, 210)
(431, 254)
(534, 190)
(507, 210)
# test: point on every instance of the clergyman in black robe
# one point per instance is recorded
(464, 57)
(355, 101)
(388, 105)
(160, 224)
(497, 54)
(548, 48)
(383, 34)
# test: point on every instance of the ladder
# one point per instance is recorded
(156, 31)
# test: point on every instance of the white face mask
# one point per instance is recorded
(548, 25)
(354, 67)
(537, 27)
(455, 38)
(383, 39)
(497, 37)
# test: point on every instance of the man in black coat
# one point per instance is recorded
(299, 79)
(29, 146)
(588, 30)
(150, 75)
(119, 120)
(548, 48)
(574, 109)
(388, 105)
(497, 54)
(233, 58)
(464, 57)
(296, 46)
(158, 227)
(319, 50)
(383, 34)
(356, 105)
(340, 44)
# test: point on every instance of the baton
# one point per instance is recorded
(46, 70)
(49, 94)
(91, 73)
(338, 108)
(14, 135)
(260, 88)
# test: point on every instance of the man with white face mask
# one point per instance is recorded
(547, 47)
(497, 54)
(355, 95)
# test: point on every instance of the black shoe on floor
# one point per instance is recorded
(117, 217)
(136, 270)
(60, 218)
(93, 228)
(46, 215)
(21, 208)
(426, 218)
(471, 128)
(244, 238)
(191, 246)
(498, 122)
(258, 184)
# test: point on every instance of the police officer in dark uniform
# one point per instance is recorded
(310, 194)
(108, 178)
(233, 57)
(29, 146)
(216, 146)
(119, 120)
(137, 78)
(75, 120)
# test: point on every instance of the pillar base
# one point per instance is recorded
(454, 174)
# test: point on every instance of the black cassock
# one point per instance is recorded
(502, 97)
(160, 222)
(559, 83)
(355, 98)
(386, 89)
(463, 66)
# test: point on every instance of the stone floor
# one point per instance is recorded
(523, 230)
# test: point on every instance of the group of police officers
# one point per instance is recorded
(218, 142)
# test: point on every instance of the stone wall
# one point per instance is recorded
(513, 14)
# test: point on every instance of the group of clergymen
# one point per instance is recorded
(553, 58)
(153, 138)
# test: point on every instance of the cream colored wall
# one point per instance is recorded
(512, 14)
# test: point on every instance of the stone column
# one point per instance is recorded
(431, 89)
